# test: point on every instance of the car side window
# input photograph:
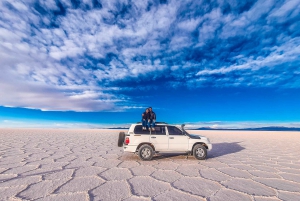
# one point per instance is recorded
(159, 130)
(174, 130)
(138, 129)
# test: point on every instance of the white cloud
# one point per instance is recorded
(240, 125)
(66, 60)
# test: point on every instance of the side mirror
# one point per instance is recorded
(182, 128)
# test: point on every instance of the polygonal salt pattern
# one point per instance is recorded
(233, 172)
(8, 192)
(197, 186)
(214, 174)
(175, 195)
(41, 189)
(280, 184)
(81, 184)
(288, 196)
(116, 174)
(191, 170)
(60, 164)
(166, 175)
(258, 198)
(112, 190)
(142, 170)
(263, 174)
(290, 177)
(80, 196)
(226, 194)
(147, 186)
(250, 187)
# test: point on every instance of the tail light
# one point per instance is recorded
(127, 140)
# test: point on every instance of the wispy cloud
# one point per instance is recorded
(240, 125)
(78, 55)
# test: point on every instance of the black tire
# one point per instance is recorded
(121, 139)
(199, 152)
(146, 152)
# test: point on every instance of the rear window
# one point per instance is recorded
(159, 130)
(139, 130)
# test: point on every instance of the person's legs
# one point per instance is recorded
(149, 124)
(153, 125)
(144, 123)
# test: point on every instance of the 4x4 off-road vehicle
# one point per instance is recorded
(165, 139)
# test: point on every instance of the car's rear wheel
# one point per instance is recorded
(146, 152)
(199, 152)
(121, 139)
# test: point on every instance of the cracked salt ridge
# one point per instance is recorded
(66, 156)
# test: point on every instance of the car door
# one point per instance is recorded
(177, 140)
(159, 138)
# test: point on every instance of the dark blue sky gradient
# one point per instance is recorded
(102, 62)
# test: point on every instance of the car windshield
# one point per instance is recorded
(184, 131)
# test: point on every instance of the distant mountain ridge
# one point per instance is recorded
(269, 128)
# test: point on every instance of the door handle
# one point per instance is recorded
(153, 137)
(171, 137)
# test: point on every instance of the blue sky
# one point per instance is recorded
(100, 63)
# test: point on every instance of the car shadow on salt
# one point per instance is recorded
(170, 156)
(224, 148)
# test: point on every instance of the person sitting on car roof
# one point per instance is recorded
(145, 118)
(152, 119)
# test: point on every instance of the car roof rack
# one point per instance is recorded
(157, 122)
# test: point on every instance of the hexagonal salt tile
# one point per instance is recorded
(89, 171)
(166, 175)
(66, 173)
(128, 164)
(81, 184)
(174, 195)
(63, 197)
(190, 170)
(291, 177)
(288, 196)
(109, 163)
(213, 174)
(20, 181)
(7, 192)
(116, 174)
(142, 170)
(280, 184)
(112, 190)
(197, 186)
(263, 174)
(233, 172)
(227, 194)
(136, 198)
(250, 187)
(242, 166)
(258, 198)
(41, 189)
(147, 186)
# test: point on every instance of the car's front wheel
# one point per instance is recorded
(146, 152)
(199, 152)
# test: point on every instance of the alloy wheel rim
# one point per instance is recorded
(146, 153)
(200, 152)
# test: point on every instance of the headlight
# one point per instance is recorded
(208, 140)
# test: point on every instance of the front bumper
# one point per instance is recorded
(209, 146)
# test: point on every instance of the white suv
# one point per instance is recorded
(165, 138)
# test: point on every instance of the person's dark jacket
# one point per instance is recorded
(152, 116)
(146, 115)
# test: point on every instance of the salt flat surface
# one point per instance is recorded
(60, 164)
